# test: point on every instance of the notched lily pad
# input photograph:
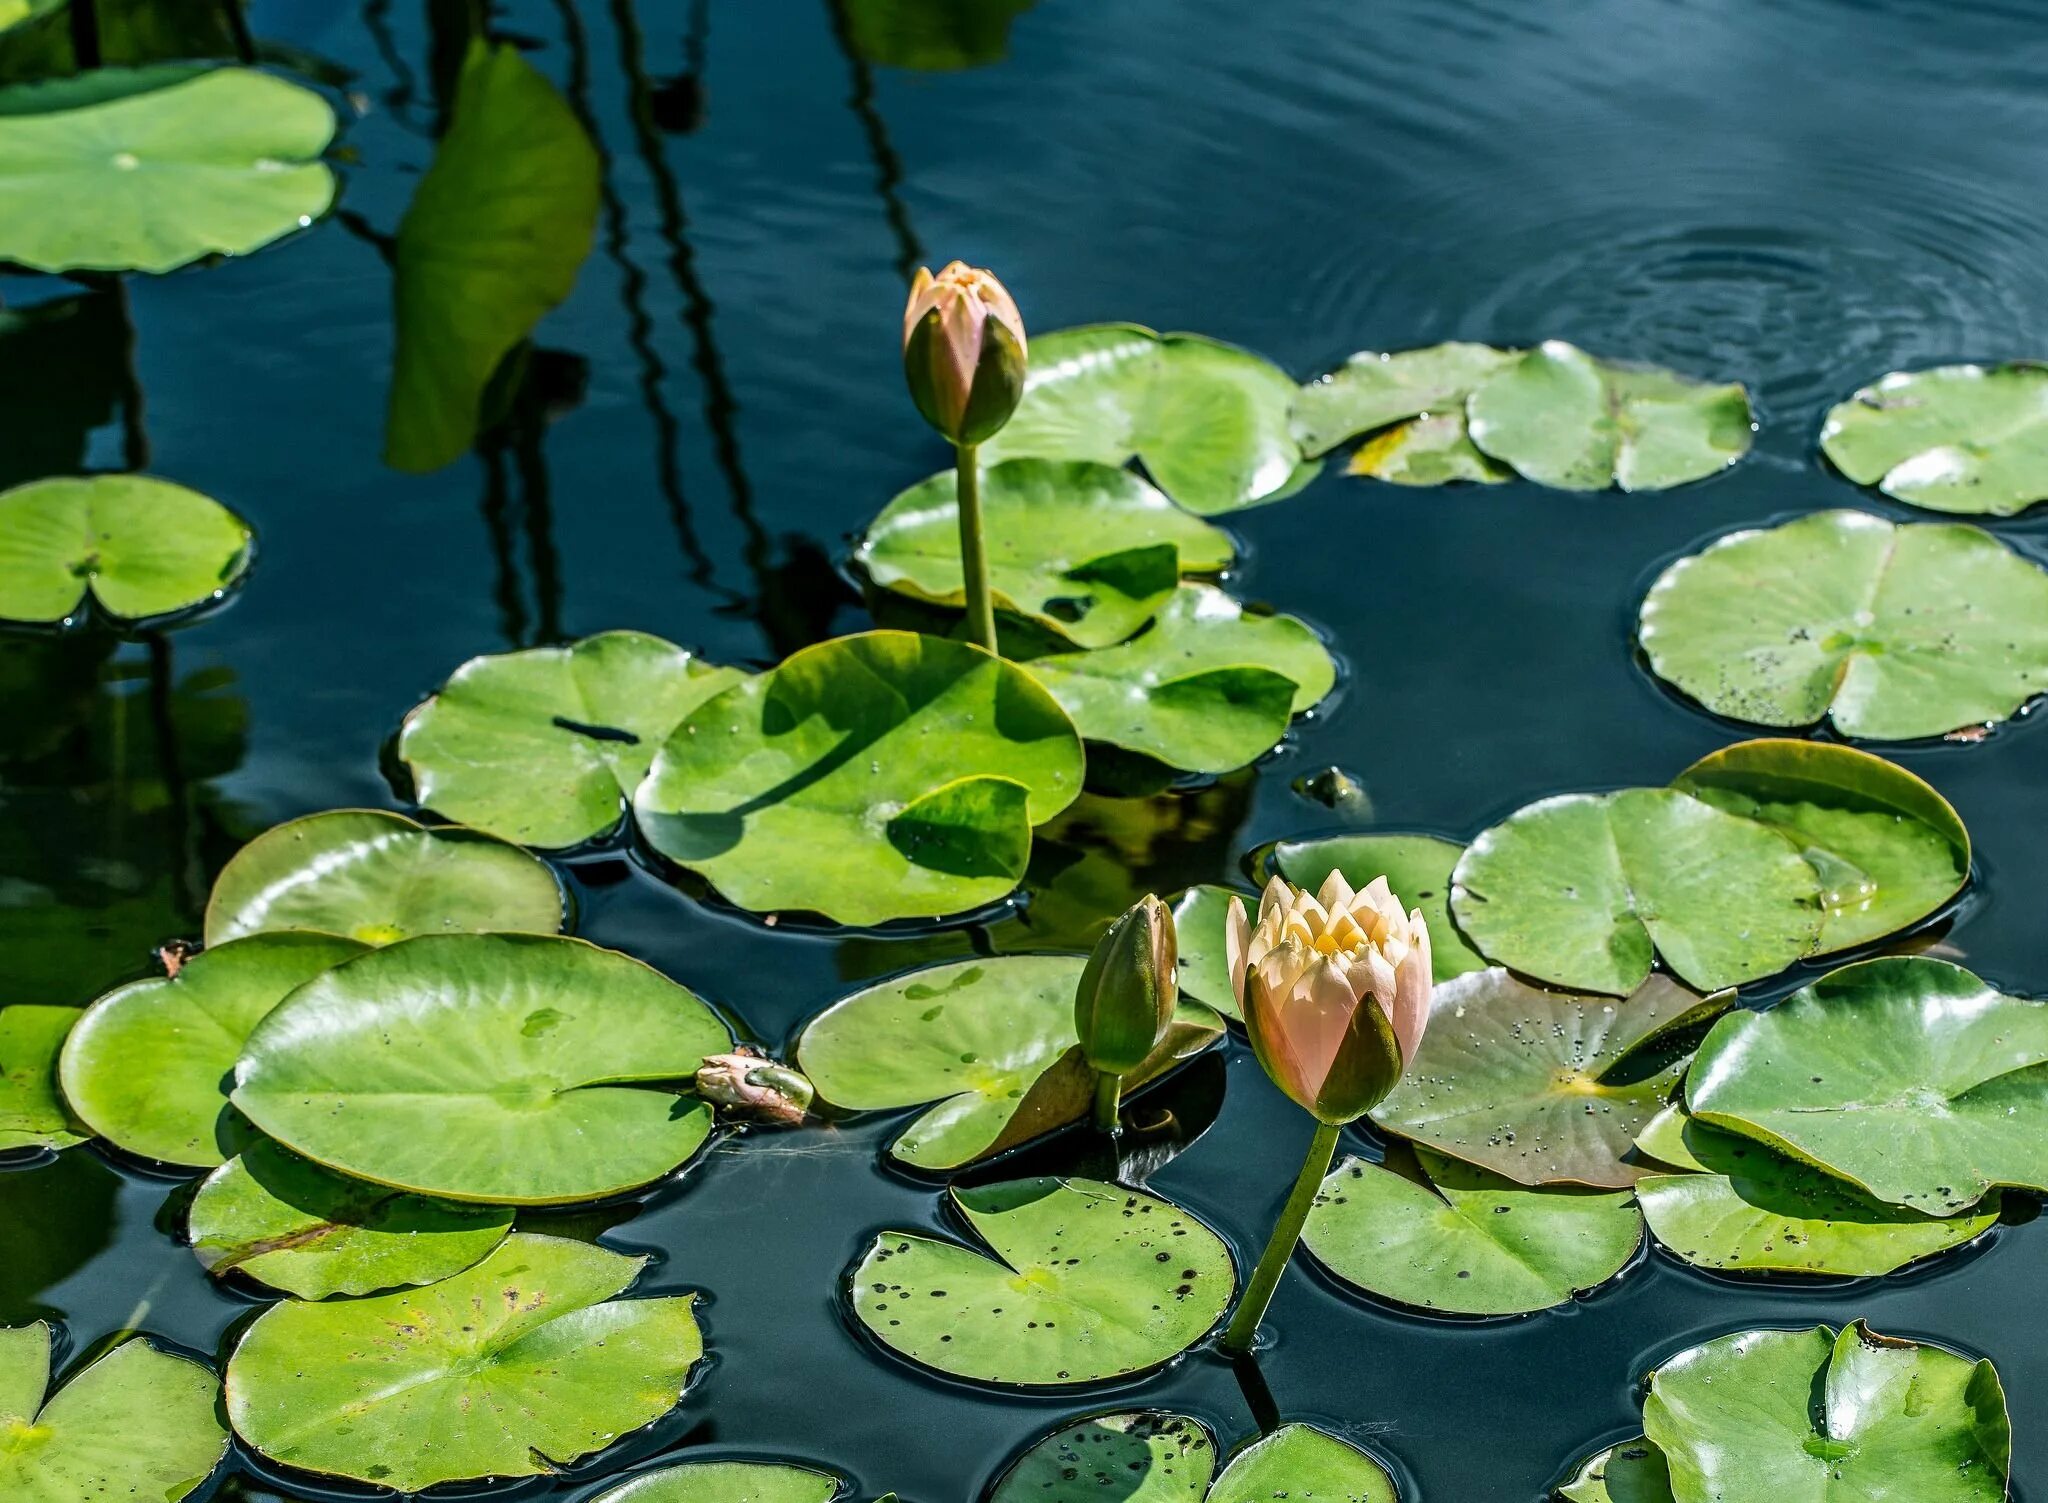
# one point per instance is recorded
(1632, 1472)
(1134, 1456)
(726, 1482)
(1302, 1462)
(1958, 438)
(1417, 867)
(140, 547)
(32, 1110)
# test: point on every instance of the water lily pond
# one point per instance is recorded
(485, 629)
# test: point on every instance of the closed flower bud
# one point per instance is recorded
(1129, 989)
(754, 1088)
(963, 352)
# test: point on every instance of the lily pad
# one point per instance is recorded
(726, 1482)
(1906, 1075)
(1417, 867)
(1562, 418)
(1301, 1462)
(932, 36)
(1207, 420)
(990, 1041)
(1200, 916)
(507, 1069)
(1465, 1241)
(1372, 390)
(137, 1423)
(140, 547)
(150, 169)
(32, 1112)
(300, 1228)
(872, 777)
(514, 1367)
(146, 1067)
(1433, 450)
(1542, 1087)
(1632, 1472)
(545, 747)
(1815, 1417)
(1088, 1281)
(376, 877)
(1207, 687)
(1086, 550)
(1889, 630)
(1959, 438)
(1135, 1456)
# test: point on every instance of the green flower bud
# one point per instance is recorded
(963, 352)
(1129, 989)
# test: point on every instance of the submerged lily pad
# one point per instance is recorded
(1088, 1281)
(509, 1369)
(1413, 403)
(1135, 1456)
(877, 776)
(1417, 868)
(1542, 1087)
(32, 1112)
(1906, 1075)
(545, 747)
(507, 1069)
(931, 36)
(1960, 438)
(377, 877)
(1564, 419)
(141, 547)
(1301, 1462)
(1890, 630)
(1632, 1472)
(726, 1482)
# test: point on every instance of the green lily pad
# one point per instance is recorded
(1433, 450)
(871, 777)
(1088, 1281)
(1632, 1472)
(932, 36)
(1372, 390)
(150, 169)
(32, 1112)
(1465, 1241)
(376, 877)
(1815, 1417)
(1086, 550)
(1417, 867)
(137, 1423)
(1301, 1462)
(303, 1229)
(545, 747)
(1207, 420)
(1135, 1456)
(1542, 1087)
(140, 547)
(1585, 890)
(726, 1482)
(507, 1069)
(1200, 917)
(493, 239)
(1562, 418)
(515, 1366)
(1208, 687)
(1905, 1075)
(1959, 438)
(146, 1067)
(1890, 630)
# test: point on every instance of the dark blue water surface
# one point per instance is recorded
(1799, 195)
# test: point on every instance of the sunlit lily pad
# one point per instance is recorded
(1413, 403)
(1564, 419)
(1087, 1281)
(1433, 450)
(518, 1365)
(152, 168)
(1207, 420)
(878, 776)
(992, 1042)
(32, 1112)
(1905, 1075)
(506, 1069)
(137, 1423)
(1632, 1472)
(1301, 1462)
(545, 747)
(1199, 917)
(1960, 438)
(140, 547)
(726, 1482)
(1418, 869)
(147, 1065)
(1135, 1456)
(1890, 630)
(1542, 1087)
(1815, 1417)
(377, 877)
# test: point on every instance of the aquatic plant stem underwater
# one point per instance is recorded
(1243, 1329)
(981, 613)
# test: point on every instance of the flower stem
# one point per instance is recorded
(1109, 1095)
(981, 614)
(1251, 1309)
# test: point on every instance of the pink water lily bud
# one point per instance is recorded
(754, 1088)
(1335, 991)
(963, 351)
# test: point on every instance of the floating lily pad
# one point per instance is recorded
(1088, 1281)
(726, 1482)
(1200, 916)
(297, 1227)
(150, 169)
(877, 776)
(506, 1069)
(1632, 1472)
(1418, 869)
(1562, 418)
(376, 878)
(1207, 420)
(1207, 687)
(141, 548)
(1905, 1075)
(545, 747)
(1086, 550)
(1137, 1456)
(1465, 1241)
(1433, 450)
(991, 1041)
(1585, 890)
(32, 1112)
(1815, 1417)
(1961, 438)
(137, 1423)
(509, 1369)
(1413, 403)
(1301, 1462)
(1542, 1087)
(146, 1067)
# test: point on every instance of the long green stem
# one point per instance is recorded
(981, 613)
(1109, 1095)
(1251, 1309)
